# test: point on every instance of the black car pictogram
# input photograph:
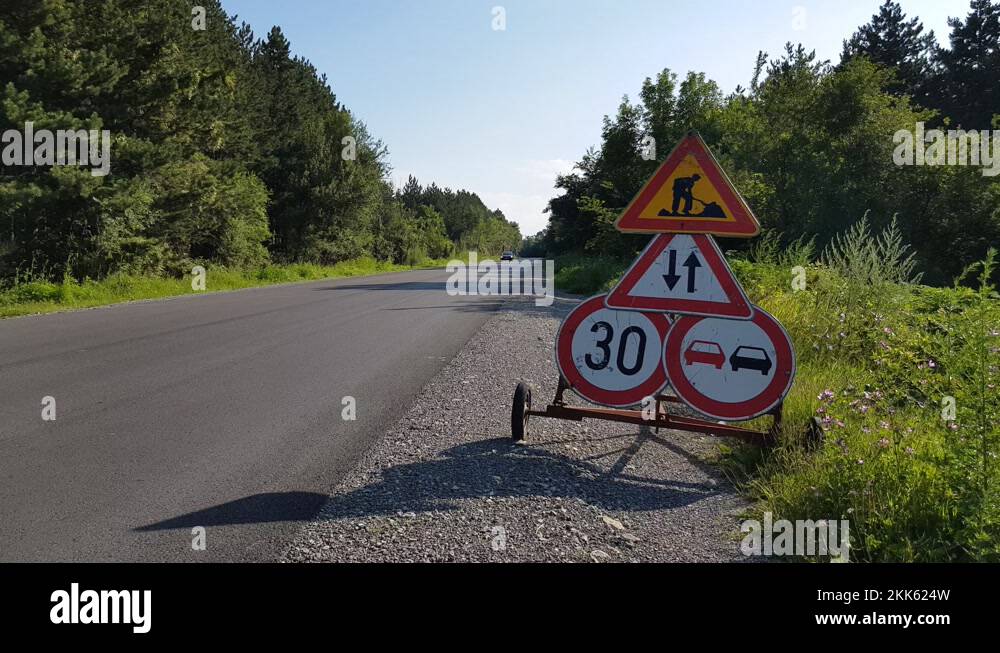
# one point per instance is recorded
(757, 360)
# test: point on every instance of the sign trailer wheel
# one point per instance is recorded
(520, 411)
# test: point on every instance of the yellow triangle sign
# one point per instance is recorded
(689, 194)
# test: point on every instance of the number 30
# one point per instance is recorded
(605, 346)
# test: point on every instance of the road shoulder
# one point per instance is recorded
(446, 483)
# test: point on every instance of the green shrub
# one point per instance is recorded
(414, 255)
(877, 366)
(35, 291)
(583, 275)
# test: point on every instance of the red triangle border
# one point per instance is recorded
(738, 308)
(745, 225)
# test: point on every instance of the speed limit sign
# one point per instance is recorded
(612, 357)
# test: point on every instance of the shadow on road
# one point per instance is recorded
(487, 468)
(497, 468)
(256, 509)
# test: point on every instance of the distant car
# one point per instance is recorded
(507, 256)
(708, 353)
(754, 358)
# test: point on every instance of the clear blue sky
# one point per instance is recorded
(501, 113)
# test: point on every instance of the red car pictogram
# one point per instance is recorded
(708, 353)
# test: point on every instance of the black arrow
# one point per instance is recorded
(691, 263)
(673, 277)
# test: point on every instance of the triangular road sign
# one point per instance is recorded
(684, 274)
(689, 194)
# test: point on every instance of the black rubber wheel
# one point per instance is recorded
(519, 412)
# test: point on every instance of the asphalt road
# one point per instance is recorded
(221, 410)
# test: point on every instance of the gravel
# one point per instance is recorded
(447, 484)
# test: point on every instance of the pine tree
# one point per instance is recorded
(901, 45)
(971, 68)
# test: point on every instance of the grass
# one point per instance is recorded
(905, 380)
(587, 275)
(32, 297)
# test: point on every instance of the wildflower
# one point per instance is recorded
(887, 331)
(884, 425)
(884, 443)
(826, 395)
(931, 364)
(953, 426)
(910, 451)
(865, 429)
(861, 461)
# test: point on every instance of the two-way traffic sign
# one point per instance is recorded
(684, 274)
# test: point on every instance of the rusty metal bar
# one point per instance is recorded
(559, 410)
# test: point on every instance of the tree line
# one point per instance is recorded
(226, 148)
(810, 144)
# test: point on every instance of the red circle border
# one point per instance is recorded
(587, 390)
(759, 405)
